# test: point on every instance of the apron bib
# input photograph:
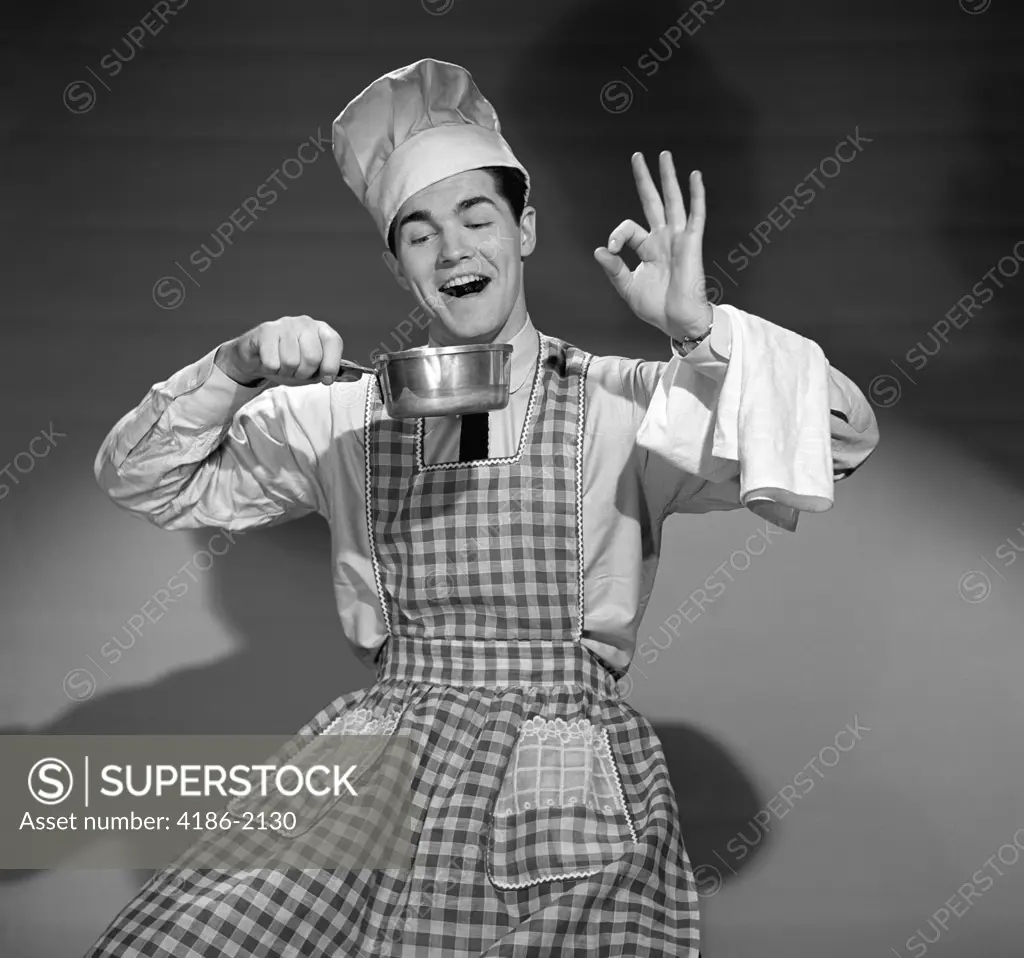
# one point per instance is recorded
(488, 549)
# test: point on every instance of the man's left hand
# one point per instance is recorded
(667, 287)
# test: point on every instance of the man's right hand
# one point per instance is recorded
(292, 351)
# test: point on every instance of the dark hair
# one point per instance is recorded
(510, 185)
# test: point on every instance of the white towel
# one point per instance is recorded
(768, 420)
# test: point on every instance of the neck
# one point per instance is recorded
(442, 336)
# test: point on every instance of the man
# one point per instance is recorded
(494, 568)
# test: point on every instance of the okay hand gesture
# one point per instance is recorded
(667, 287)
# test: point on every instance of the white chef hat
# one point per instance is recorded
(411, 128)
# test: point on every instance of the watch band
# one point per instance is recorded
(688, 344)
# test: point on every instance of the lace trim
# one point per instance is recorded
(618, 787)
(541, 879)
(558, 728)
(581, 415)
(363, 722)
(557, 764)
(368, 480)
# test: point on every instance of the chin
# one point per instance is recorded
(475, 328)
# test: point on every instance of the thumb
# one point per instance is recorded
(616, 270)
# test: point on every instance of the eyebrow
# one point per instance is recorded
(422, 216)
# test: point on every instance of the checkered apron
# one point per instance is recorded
(544, 821)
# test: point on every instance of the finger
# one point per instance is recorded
(698, 208)
(627, 233)
(649, 198)
(332, 346)
(310, 353)
(269, 354)
(616, 270)
(675, 211)
(249, 346)
(683, 251)
(290, 353)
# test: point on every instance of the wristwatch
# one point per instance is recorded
(688, 344)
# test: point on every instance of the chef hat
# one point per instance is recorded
(411, 128)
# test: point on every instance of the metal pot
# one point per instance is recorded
(441, 380)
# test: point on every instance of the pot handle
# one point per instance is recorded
(348, 364)
(364, 370)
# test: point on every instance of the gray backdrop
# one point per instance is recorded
(899, 610)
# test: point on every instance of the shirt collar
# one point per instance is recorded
(525, 346)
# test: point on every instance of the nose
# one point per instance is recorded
(455, 247)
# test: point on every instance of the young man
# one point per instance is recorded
(494, 568)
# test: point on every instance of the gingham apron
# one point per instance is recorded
(544, 820)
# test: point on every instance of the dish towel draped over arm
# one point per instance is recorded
(768, 420)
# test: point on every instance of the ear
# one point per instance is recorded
(396, 270)
(528, 231)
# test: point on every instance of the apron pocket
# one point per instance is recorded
(560, 812)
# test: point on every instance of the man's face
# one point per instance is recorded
(458, 245)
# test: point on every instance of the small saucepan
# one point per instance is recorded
(441, 380)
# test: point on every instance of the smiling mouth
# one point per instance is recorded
(465, 286)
